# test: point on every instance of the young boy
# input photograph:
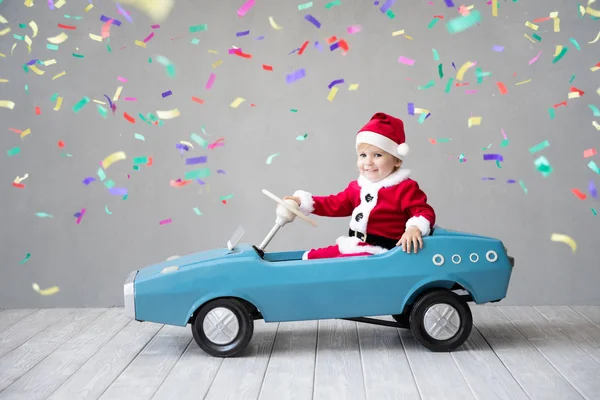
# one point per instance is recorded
(388, 209)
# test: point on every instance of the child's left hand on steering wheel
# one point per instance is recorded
(411, 235)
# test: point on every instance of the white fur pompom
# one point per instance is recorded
(403, 149)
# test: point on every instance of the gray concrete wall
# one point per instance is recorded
(89, 261)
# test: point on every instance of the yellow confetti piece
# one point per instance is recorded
(97, 38)
(556, 24)
(530, 39)
(274, 24)
(573, 95)
(89, 7)
(353, 86)
(582, 10)
(3, 20)
(522, 82)
(59, 101)
(99, 102)
(494, 8)
(14, 46)
(59, 75)
(187, 143)
(34, 28)
(594, 68)
(532, 26)
(216, 64)
(117, 93)
(28, 3)
(461, 71)
(553, 14)
(7, 104)
(23, 134)
(213, 52)
(595, 40)
(408, 37)
(58, 39)
(398, 33)
(421, 111)
(36, 70)
(596, 125)
(140, 43)
(4, 31)
(2, 55)
(60, 3)
(49, 62)
(558, 49)
(20, 179)
(3, 80)
(558, 237)
(474, 121)
(592, 12)
(46, 292)
(170, 114)
(237, 102)
(332, 93)
(112, 158)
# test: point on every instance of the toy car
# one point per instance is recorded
(221, 292)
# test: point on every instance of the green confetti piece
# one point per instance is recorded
(486, 148)
(575, 43)
(504, 143)
(27, 89)
(150, 60)
(14, 151)
(333, 3)
(271, 157)
(594, 110)
(66, 155)
(125, 197)
(539, 147)
(594, 211)
(198, 139)
(101, 174)
(480, 74)
(390, 14)
(77, 107)
(449, 85)
(103, 111)
(43, 215)
(592, 165)
(140, 160)
(443, 140)
(543, 165)
(433, 22)
(523, 186)
(294, 110)
(304, 6)
(197, 174)
(54, 97)
(440, 71)
(302, 137)
(198, 28)
(109, 183)
(462, 158)
(195, 41)
(436, 56)
(72, 17)
(197, 211)
(165, 62)
(551, 111)
(498, 164)
(26, 68)
(22, 26)
(422, 118)
(18, 37)
(537, 37)
(572, 79)
(463, 23)
(560, 55)
(139, 137)
(142, 117)
(427, 85)
(108, 48)
(51, 46)
(106, 209)
(223, 198)
(78, 55)
(27, 257)
(136, 167)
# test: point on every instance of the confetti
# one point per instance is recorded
(354, 29)
(405, 60)
(112, 158)
(270, 158)
(80, 215)
(333, 3)
(539, 147)
(579, 194)
(27, 257)
(353, 86)
(237, 102)
(198, 28)
(211, 80)
(594, 110)
(558, 237)
(77, 107)
(165, 62)
(302, 137)
(474, 121)
(167, 93)
(501, 88)
(59, 101)
(14, 151)
(58, 39)
(463, 69)
(195, 160)
(43, 215)
(197, 211)
(560, 55)
(197, 174)
(106, 209)
(245, 8)
(543, 165)
(595, 40)
(170, 114)
(274, 24)
(45, 292)
(298, 74)
(462, 23)
(7, 104)
(312, 20)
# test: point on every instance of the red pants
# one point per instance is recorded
(330, 252)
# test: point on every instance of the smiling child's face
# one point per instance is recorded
(374, 163)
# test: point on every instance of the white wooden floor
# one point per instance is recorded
(513, 353)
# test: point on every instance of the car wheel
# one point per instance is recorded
(441, 321)
(223, 327)
(403, 320)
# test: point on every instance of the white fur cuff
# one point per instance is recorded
(307, 204)
(420, 222)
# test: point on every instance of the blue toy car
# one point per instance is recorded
(221, 292)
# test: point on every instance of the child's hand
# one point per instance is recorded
(411, 235)
(295, 198)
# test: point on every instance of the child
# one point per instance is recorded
(387, 208)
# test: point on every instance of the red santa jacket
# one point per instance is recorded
(385, 208)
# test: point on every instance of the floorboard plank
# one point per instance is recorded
(92, 379)
(592, 313)
(577, 366)
(436, 374)
(241, 377)
(15, 364)
(387, 374)
(575, 326)
(55, 369)
(11, 317)
(338, 369)
(291, 368)
(26, 328)
(142, 378)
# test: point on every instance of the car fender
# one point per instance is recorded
(215, 295)
(430, 283)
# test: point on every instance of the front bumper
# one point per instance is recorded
(129, 295)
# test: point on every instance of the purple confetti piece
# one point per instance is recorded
(244, 33)
(497, 157)
(334, 46)
(294, 76)
(376, 3)
(51, 4)
(167, 93)
(109, 101)
(488, 179)
(293, 51)
(154, 26)
(335, 82)
(511, 181)
(195, 160)
(200, 181)
(32, 61)
(411, 108)
(312, 20)
(124, 13)
(77, 214)
(318, 46)
(260, 38)
(88, 180)
(104, 18)
(427, 116)
(498, 49)
(386, 6)
(453, 65)
(182, 147)
(221, 171)
(118, 191)
(592, 190)
(449, 3)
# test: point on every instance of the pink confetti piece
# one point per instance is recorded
(504, 134)
(121, 79)
(245, 8)
(534, 59)
(405, 60)
(130, 98)
(150, 36)
(81, 214)
(165, 221)
(106, 28)
(354, 29)
(211, 80)
(154, 26)
(470, 91)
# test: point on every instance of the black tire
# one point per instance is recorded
(402, 319)
(443, 297)
(245, 324)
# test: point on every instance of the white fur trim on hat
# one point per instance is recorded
(384, 143)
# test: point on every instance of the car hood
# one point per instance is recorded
(194, 259)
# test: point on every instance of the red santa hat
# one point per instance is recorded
(385, 132)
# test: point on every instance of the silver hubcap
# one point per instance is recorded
(441, 321)
(220, 325)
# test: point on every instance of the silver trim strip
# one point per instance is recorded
(129, 295)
